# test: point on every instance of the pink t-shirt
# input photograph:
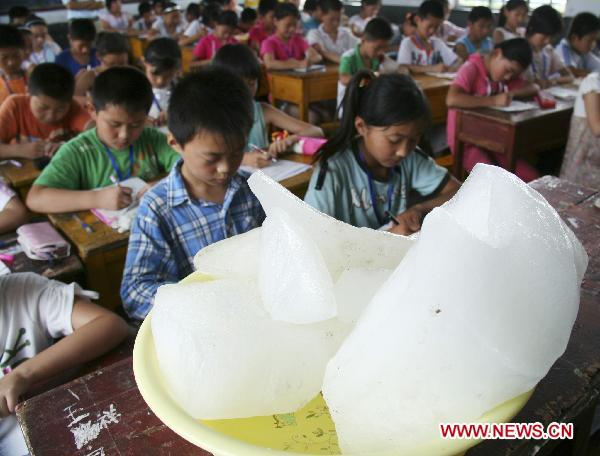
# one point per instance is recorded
(258, 34)
(295, 48)
(208, 46)
(473, 79)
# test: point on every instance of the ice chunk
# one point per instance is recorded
(233, 257)
(476, 314)
(343, 246)
(222, 356)
(355, 289)
(295, 284)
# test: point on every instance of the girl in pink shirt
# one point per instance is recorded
(491, 80)
(286, 50)
(208, 46)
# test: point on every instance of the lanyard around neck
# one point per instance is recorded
(382, 220)
(115, 166)
(542, 75)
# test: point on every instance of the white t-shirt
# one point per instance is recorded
(545, 65)
(358, 23)
(47, 55)
(345, 40)
(33, 312)
(508, 35)
(160, 103)
(411, 53)
(590, 84)
(194, 28)
(570, 58)
(116, 22)
(80, 14)
(6, 194)
(449, 29)
(159, 25)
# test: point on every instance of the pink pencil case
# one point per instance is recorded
(40, 241)
(308, 146)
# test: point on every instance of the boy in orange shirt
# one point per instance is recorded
(12, 53)
(36, 124)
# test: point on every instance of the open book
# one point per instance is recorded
(446, 75)
(516, 106)
(280, 170)
(121, 220)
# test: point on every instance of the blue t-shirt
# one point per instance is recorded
(345, 192)
(485, 46)
(66, 60)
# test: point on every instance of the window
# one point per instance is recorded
(497, 4)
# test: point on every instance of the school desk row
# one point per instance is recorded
(569, 393)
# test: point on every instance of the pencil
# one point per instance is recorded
(258, 149)
(84, 225)
(392, 218)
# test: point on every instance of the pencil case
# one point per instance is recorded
(308, 146)
(40, 241)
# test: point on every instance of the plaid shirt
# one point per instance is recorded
(170, 228)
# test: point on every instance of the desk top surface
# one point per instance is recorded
(568, 389)
(19, 177)
(515, 118)
(330, 69)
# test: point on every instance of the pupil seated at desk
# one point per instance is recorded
(168, 24)
(162, 63)
(44, 49)
(205, 198)
(511, 21)
(81, 54)
(12, 54)
(480, 23)
(329, 39)
(118, 148)
(208, 46)
(368, 10)
(195, 28)
(265, 26)
(35, 125)
(576, 48)
(367, 169)
(146, 17)
(242, 61)
(491, 80)
(449, 32)
(424, 52)
(112, 50)
(247, 21)
(547, 69)
(33, 312)
(114, 19)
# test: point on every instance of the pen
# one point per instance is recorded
(84, 225)
(392, 218)
(258, 149)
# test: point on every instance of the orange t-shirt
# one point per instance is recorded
(11, 86)
(18, 122)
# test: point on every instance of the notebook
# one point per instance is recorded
(516, 106)
(280, 170)
(446, 75)
(121, 220)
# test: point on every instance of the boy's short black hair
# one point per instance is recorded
(35, 22)
(264, 6)
(311, 5)
(109, 3)
(378, 28)
(10, 37)
(51, 80)
(369, 2)
(240, 59)
(480, 12)
(111, 43)
(193, 9)
(331, 5)
(126, 87)
(226, 102)
(248, 15)
(545, 20)
(82, 29)
(228, 18)
(431, 8)
(517, 50)
(283, 10)
(164, 54)
(144, 7)
(17, 11)
(584, 24)
(211, 13)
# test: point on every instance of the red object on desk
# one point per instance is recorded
(545, 102)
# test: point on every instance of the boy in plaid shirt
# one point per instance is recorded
(205, 198)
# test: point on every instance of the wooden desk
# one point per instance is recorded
(187, 55)
(435, 89)
(137, 47)
(567, 393)
(66, 270)
(303, 89)
(20, 178)
(527, 132)
(102, 252)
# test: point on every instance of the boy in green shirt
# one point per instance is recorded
(118, 148)
(369, 54)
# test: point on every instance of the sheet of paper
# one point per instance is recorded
(564, 93)
(310, 69)
(516, 106)
(280, 170)
(111, 218)
(446, 75)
